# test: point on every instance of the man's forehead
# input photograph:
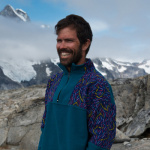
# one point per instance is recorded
(67, 32)
(70, 27)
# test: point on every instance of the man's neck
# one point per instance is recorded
(79, 63)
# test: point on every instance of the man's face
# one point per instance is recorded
(69, 48)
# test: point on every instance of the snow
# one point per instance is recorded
(107, 65)
(122, 69)
(55, 61)
(48, 71)
(18, 70)
(21, 17)
(103, 73)
(96, 66)
(146, 67)
(122, 63)
(21, 10)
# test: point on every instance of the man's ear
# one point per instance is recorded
(86, 45)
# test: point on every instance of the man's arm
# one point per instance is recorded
(44, 115)
(101, 117)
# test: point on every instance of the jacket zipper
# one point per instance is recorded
(62, 88)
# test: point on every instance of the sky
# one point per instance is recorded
(121, 28)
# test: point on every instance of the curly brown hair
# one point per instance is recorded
(78, 23)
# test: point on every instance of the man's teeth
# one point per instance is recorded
(65, 54)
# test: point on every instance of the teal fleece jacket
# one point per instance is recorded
(80, 112)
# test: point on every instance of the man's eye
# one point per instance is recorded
(58, 41)
(69, 40)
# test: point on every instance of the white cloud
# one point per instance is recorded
(126, 26)
(26, 40)
(98, 26)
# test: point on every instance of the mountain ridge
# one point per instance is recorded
(27, 72)
(32, 72)
(18, 14)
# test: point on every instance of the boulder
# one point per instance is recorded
(3, 135)
(32, 142)
(139, 124)
(121, 137)
(21, 116)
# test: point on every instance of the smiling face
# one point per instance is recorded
(69, 48)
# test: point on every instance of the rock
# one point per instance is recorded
(25, 118)
(134, 139)
(32, 142)
(118, 146)
(147, 99)
(121, 137)
(3, 122)
(3, 135)
(132, 100)
(120, 121)
(6, 83)
(20, 117)
(21, 114)
(15, 134)
(125, 143)
(142, 140)
(139, 124)
(135, 145)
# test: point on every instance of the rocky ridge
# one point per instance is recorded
(6, 83)
(18, 14)
(20, 117)
(21, 113)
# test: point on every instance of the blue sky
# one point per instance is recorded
(121, 28)
(41, 10)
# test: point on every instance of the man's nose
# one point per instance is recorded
(62, 45)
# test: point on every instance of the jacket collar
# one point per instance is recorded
(86, 67)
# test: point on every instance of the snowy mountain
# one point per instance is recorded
(17, 14)
(27, 72)
(16, 73)
(145, 65)
(44, 70)
(113, 69)
(6, 83)
(18, 70)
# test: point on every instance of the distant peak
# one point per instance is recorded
(21, 10)
(18, 14)
(8, 5)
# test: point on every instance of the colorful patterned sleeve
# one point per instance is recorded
(101, 117)
(53, 81)
(44, 116)
(46, 99)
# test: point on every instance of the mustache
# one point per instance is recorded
(65, 50)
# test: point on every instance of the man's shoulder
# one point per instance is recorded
(96, 77)
(97, 84)
(55, 76)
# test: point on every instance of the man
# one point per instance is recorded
(79, 106)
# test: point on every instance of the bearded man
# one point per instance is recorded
(80, 110)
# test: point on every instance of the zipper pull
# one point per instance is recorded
(57, 100)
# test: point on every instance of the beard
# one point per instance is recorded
(75, 56)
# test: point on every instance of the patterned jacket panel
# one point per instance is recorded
(94, 94)
(50, 90)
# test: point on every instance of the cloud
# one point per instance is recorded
(26, 40)
(121, 30)
(98, 25)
